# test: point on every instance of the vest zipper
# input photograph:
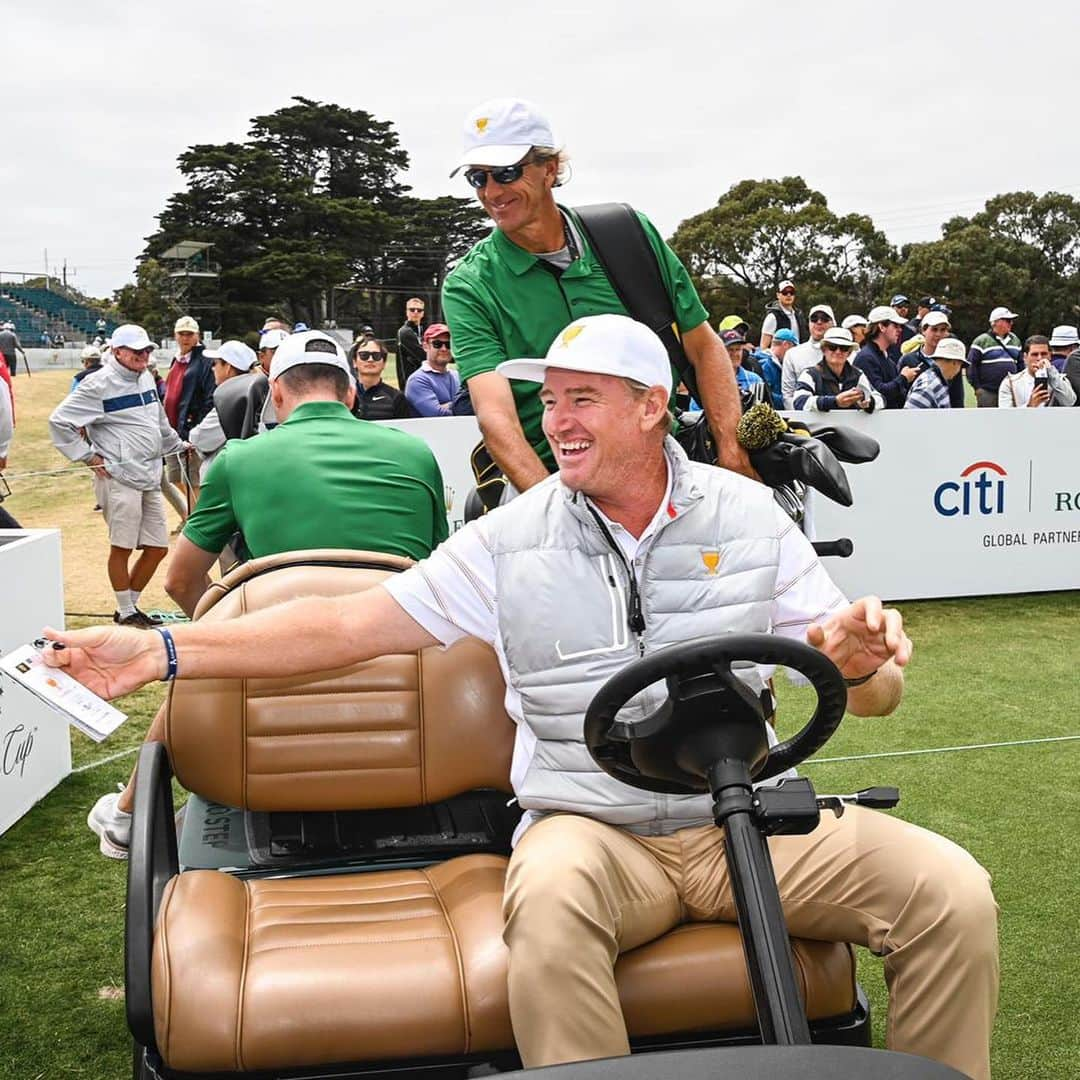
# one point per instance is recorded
(635, 614)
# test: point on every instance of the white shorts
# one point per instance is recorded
(136, 519)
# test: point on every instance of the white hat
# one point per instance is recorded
(934, 318)
(235, 353)
(854, 320)
(884, 313)
(837, 335)
(502, 131)
(130, 336)
(1002, 313)
(601, 345)
(271, 339)
(950, 348)
(308, 347)
(90, 352)
(186, 324)
(1065, 335)
(822, 307)
(785, 285)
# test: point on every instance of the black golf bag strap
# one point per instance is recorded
(619, 242)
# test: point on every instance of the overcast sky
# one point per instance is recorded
(663, 105)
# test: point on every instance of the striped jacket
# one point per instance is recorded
(930, 390)
(991, 358)
(123, 420)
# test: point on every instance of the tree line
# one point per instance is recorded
(309, 218)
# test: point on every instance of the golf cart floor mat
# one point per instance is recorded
(216, 837)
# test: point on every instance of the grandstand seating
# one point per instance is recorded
(33, 310)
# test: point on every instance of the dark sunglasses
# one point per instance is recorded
(478, 178)
(442, 343)
(830, 347)
(414, 309)
(787, 292)
(370, 356)
(820, 317)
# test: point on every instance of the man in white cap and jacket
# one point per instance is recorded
(114, 422)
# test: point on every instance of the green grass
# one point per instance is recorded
(987, 670)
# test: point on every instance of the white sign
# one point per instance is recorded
(970, 502)
(35, 749)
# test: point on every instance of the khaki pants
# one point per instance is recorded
(579, 892)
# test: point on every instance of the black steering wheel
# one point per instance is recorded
(709, 713)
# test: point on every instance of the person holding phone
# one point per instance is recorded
(1039, 383)
(834, 382)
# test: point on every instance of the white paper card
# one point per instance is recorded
(82, 708)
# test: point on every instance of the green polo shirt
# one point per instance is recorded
(323, 479)
(502, 304)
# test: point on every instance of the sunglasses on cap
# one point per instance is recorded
(478, 178)
(442, 343)
(820, 316)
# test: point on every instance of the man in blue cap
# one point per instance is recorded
(772, 364)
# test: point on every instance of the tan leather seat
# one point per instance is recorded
(268, 973)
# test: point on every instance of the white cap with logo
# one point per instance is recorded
(502, 131)
(271, 339)
(600, 345)
(186, 325)
(308, 347)
(235, 353)
(1002, 313)
(130, 336)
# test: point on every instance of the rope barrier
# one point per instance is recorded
(944, 749)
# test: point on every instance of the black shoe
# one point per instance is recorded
(137, 618)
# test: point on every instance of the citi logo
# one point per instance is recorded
(981, 490)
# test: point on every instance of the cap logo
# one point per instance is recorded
(481, 124)
(569, 334)
(711, 559)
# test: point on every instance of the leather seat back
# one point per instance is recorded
(402, 730)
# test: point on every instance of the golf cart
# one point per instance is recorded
(334, 906)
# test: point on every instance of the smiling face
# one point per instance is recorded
(517, 205)
(133, 359)
(601, 431)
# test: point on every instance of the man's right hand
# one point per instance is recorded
(1039, 397)
(847, 399)
(909, 373)
(110, 660)
(97, 465)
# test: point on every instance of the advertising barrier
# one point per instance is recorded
(966, 503)
(35, 748)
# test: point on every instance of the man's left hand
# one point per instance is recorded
(862, 637)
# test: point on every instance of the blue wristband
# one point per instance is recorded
(170, 654)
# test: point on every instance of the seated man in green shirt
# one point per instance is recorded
(319, 479)
(519, 286)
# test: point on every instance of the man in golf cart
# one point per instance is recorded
(628, 549)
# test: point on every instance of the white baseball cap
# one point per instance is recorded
(884, 313)
(308, 347)
(1065, 335)
(950, 348)
(186, 324)
(271, 339)
(1002, 313)
(235, 353)
(90, 352)
(130, 336)
(823, 308)
(837, 335)
(934, 318)
(854, 320)
(502, 131)
(601, 345)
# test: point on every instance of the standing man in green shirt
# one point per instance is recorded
(519, 286)
(319, 479)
